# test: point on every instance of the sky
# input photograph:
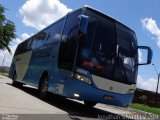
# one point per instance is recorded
(142, 16)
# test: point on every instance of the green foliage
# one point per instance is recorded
(145, 108)
(7, 30)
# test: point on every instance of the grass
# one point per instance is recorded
(4, 74)
(145, 108)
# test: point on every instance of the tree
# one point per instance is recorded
(7, 31)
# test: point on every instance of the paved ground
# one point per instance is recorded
(23, 103)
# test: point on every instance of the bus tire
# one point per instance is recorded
(89, 104)
(14, 82)
(43, 87)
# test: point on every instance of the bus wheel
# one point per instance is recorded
(14, 82)
(43, 87)
(89, 104)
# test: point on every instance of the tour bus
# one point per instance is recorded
(85, 55)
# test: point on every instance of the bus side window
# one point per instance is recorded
(23, 47)
(68, 43)
(71, 22)
(38, 40)
(67, 50)
(54, 32)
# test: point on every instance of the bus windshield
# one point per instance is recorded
(126, 68)
(106, 56)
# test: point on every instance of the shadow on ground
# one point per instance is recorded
(73, 108)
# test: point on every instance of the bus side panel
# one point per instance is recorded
(11, 70)
(44, 47)
(22, 63)
(53, 70)
(43, 59)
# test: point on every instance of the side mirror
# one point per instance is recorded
(149, 55)
(83, 23)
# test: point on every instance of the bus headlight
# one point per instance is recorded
(82, 78)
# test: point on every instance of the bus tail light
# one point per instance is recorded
(82, 78)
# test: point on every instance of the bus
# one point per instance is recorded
(86, 55)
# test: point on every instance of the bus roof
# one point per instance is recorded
(103, 14)
(84, 9)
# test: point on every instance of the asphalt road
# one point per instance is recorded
(22, 103)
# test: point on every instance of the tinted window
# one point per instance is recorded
(126, 71)
(98, 49)
(67, 50)
(125, 37)
(38, 40)
(54, 32)
(104, 40)
(68, 44)
(23, 47)
(71, 22)
(50, 34)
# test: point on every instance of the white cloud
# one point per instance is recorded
(25, 36)
(151, 25)
(139, 56)
(150, 84)
(40, 13)
(13, 45)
